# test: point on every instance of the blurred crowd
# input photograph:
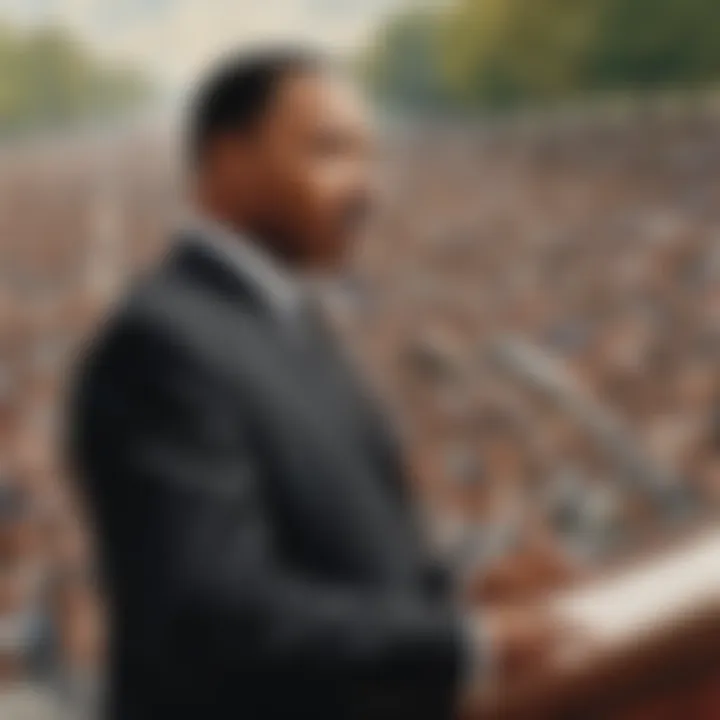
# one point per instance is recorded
(546, 300)
(537, 305)
(78, 217)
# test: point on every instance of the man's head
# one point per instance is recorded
(282, 150)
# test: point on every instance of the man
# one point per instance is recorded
(252, 508)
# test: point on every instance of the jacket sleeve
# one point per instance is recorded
(159, 438)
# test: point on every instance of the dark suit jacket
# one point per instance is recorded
(252, 516)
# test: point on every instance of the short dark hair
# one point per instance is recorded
(236, 94)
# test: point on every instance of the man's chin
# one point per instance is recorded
(334, 256)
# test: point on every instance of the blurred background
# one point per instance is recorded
(539, 301)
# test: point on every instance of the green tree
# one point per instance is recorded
(504, 52)
(48, 78)
(643, 43)
(404, 67)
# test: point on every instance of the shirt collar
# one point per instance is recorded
(281, 290)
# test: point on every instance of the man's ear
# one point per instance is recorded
(230, 161)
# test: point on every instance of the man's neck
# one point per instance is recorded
(245, 254)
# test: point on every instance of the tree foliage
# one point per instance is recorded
(48, 78)
(406, 68)
(503, 52)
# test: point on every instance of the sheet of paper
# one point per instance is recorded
(647, 597)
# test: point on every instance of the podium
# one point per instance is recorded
(653, 651)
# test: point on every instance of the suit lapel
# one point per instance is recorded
(310, 359)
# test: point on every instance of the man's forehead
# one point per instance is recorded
(320, 98)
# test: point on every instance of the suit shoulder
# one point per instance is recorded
(164, 313)
(181, 309)
(138, 324)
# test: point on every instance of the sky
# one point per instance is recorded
(173, 39)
